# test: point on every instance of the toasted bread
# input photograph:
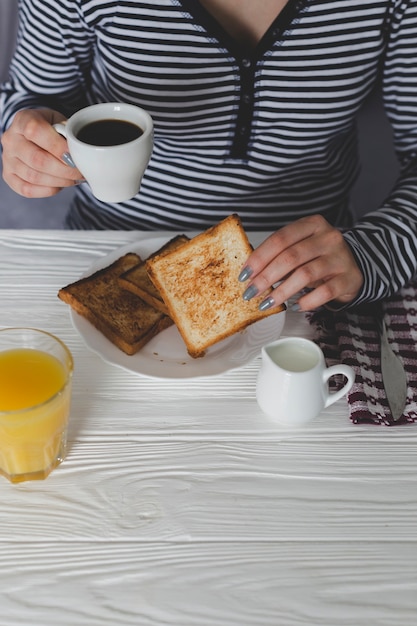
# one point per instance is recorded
(137, 280)
(199, 285)
(125, 319)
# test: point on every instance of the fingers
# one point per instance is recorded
(33, 152)
(285, 239)
(308, 256)
(339, 289)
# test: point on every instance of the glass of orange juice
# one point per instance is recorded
(35, 395)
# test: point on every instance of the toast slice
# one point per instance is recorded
(124, 318)
(137, 280)
(199, 285)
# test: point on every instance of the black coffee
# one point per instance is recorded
(109, 132)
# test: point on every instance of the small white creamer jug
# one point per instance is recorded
(292, 386)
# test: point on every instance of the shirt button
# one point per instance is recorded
(246, 63)
(242, 130)
(246, 98)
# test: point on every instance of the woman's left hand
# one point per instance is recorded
(307, 254)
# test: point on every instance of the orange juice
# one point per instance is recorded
(28, 377)
(35, 395)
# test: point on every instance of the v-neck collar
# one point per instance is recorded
(247, 58)
(238, 49)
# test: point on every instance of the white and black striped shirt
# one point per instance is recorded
(268, 133)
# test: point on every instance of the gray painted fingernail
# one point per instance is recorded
(66, 157)
(250, 292)
(244, 274)
(266, 304)
(295, 307)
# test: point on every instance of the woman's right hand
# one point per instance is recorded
(34, 155)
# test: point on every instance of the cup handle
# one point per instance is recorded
(61, 128)
(348, 372)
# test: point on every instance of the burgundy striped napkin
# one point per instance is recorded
(351, 337)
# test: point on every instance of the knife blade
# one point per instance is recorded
(394, 377)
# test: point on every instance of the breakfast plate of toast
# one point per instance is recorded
(166, 307)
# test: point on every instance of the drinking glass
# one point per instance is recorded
(35, 394)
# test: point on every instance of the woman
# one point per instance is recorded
(254, 105)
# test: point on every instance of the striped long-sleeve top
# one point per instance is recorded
(267, 132)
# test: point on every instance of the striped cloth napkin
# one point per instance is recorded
(351, 337)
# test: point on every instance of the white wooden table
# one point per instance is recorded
(180, 505)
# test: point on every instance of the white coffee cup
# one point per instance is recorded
(114, 172)
(292, 386)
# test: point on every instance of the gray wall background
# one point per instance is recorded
(379, 164)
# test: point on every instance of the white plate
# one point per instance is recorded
(165, 356)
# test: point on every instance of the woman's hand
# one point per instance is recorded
(307, 254)
(34, 155)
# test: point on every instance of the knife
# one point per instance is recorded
(393, 374)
